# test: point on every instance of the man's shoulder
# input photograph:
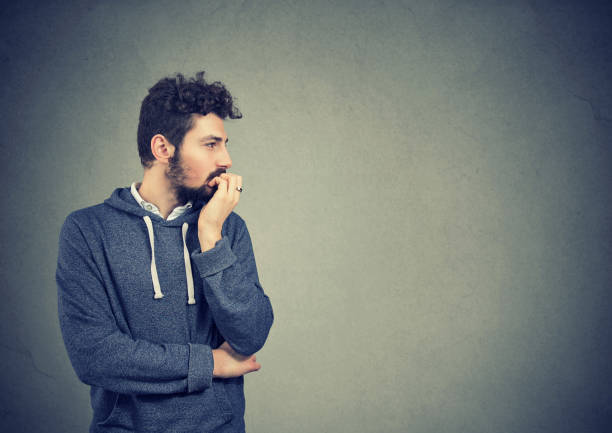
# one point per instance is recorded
(79, 222)
(110, 206)
(92, 218)
(86, 214)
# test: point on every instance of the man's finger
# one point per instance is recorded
(214, 182)
(231, 189)
(222, 186)
(238, 188)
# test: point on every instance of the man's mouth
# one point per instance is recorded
(212, 176)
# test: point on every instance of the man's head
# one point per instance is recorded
(181, 126)
(170, 104)
(201, 157)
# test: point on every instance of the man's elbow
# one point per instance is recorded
(87, 373)
(253, 341)
(247, 348)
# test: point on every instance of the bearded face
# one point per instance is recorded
(199, 158)
(176, 173)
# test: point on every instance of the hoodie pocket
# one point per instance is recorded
(225, 407)
(199, 411)
(118, 416)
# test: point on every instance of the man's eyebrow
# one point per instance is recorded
(213, 137)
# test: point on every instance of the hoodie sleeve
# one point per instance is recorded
(100, 353)
(239, 306)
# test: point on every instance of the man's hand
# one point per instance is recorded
(229, 363)
(218, 208)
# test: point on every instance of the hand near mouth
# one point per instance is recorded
(213, 214)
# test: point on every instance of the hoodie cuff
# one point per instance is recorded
(214, 260)
(201, 365)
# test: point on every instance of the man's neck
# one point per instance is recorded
(155, 188)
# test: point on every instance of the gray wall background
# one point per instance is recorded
(427, 189)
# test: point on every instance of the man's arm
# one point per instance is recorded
(240, 308)
(229, 363)
(104, 356)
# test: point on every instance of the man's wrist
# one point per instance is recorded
(216, 363)
(208, 239)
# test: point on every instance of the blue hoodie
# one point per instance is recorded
(141, 307)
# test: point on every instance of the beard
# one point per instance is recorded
(176, 174)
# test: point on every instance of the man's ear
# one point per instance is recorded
(161, 148)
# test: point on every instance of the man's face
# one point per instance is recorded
(201, 157)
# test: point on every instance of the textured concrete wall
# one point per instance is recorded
(427, 189)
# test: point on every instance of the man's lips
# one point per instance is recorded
(212, 177)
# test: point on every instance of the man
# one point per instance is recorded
(159, 301)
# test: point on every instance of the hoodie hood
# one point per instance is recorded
(123, 200)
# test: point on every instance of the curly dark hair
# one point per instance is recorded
(169, 106)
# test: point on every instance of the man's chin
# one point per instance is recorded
(204, 193)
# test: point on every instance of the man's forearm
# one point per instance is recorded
(241, 310)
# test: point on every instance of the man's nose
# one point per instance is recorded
(224, 159)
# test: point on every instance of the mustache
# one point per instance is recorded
(215, 174)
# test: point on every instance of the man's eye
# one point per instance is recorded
(211, 145)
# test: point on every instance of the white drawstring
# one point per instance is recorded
(156, 286)
(190, 294)
(186, 257)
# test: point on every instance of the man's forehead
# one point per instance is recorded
(209, 126)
